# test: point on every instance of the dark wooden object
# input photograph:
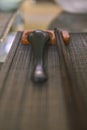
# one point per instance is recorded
(39, 41)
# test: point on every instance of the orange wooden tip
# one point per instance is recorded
(24, 37)
(66, 37)
(65, 34)
(52, 37)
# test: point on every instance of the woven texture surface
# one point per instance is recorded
(78, 55)
(28, 106)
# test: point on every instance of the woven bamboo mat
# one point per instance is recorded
(48, 106)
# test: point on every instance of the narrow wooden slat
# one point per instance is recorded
(74, 97)
(6, 20)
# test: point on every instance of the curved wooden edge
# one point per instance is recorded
(65, 35)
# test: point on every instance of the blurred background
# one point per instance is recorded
(69, 15)
(65, 14)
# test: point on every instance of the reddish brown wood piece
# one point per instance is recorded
(52, 41)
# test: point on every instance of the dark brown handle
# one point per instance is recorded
(39, 41)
